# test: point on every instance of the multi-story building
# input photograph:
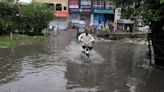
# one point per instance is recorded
(103, 11)
(92, 11)
(60, 11)
(80, 10)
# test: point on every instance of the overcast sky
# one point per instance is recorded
(28, 1)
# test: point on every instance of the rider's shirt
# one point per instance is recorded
(86, 39)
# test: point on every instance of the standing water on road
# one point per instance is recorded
(58, 66)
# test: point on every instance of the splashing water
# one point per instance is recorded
(73, 54)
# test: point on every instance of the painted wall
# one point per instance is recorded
(63, 2)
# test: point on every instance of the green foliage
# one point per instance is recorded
(5, 26)
(161, 1)
(36, 17)
(7, 43)
(147, 14)
(7, 9)
(7, 12)
(149, 10)
(126, 12)
(18, 39)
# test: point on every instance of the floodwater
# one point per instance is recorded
(57, 65)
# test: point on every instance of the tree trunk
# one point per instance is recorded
(158, 42)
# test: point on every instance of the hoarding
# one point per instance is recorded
(73, 4)
(61, 13)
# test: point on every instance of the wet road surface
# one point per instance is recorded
(57, 65)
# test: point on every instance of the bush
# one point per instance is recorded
(7, 11)
(5, 26)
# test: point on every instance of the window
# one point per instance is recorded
(98, 4)
(85, 4)
(65, 8)
(58, 7)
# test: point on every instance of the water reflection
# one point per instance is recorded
(8, 66)
(83, 76)
(34, 67)
(55, 66)
(119, 72)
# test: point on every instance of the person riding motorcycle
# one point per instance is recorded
(86, 40)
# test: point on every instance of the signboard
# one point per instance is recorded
(74, 10)
(74, 16)
(86, 10)
(73, 4)
(61, 13)
(101, 19)
(77, 10)
(107, 11)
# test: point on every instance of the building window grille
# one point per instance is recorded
(85, 4)
(98, 4)
(58, 7)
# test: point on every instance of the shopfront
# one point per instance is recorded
(74, 15)
(102, 16)
(125, 23)
(85, 14)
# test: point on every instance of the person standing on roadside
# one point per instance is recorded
(115, 26)
(54, 29)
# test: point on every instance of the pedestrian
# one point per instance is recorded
(57, 29)
(115, 27)
(50, 27)
(54, 30)
(127, 29)
(106, 27)
(96, 29)
(110, 27)
(89, 28)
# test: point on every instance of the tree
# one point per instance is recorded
(152, 14)
(7, 13)
(35, 17)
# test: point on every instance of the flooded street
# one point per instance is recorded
(57, 65)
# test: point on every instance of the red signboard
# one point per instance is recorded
(61, 13)
(73, 4)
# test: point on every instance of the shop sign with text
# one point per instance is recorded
(81, 10)
(61, 13)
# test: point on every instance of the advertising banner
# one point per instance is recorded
(81, 10)
(73, 10)
(61, 13)
(73, 4)
(86, 10)
(107, 11)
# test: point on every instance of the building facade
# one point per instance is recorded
(92, 11)
(103, 11)
(80, 10)
(60, 12)
(60, 7)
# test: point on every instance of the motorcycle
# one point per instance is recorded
(86, 50)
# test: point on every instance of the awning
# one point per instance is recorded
(104, 11)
